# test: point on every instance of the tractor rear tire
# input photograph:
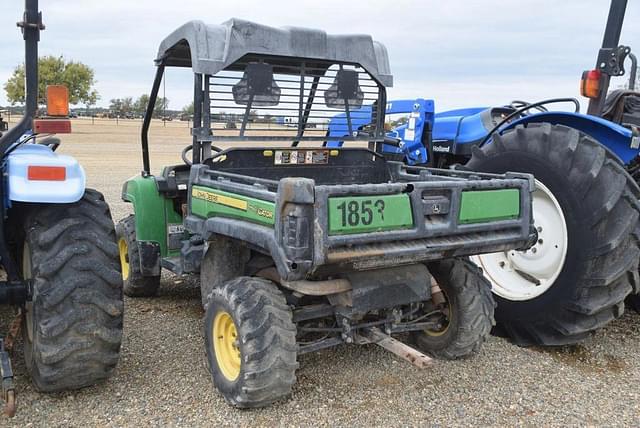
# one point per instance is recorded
(135, 285)
(471, 307)
(73, 322)
(250, 340)
(596, 261)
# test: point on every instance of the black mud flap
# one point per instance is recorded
(149, 258)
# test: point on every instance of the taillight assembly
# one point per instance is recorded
(590, 83)
(52, 126)
(46, 173)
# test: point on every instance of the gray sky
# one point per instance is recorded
(460, 53)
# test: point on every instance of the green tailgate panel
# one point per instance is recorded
(481, 206)
(207, 202)
(361, 214)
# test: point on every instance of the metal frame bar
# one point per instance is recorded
(610, 40)
(31, 26)
(633, 72)
(245, 117)
(144, 133)
(205, 144)
(307, 110)
(198, 110)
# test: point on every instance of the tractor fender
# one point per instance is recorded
(616, 138)
(26, 185)
(148, 206)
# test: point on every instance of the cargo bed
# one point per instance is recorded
(385, 213)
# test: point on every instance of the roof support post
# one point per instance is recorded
(144, 134)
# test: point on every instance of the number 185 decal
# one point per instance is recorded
(359, 214)
(355, 213)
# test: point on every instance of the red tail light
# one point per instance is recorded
(52, 126)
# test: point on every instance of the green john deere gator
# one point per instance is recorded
(300, 246)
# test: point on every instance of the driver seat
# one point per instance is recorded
(623, 107)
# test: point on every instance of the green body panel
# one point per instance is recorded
(361, 214)
(206, 202)
(479, 206)
(153, 213)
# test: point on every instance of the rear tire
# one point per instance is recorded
(470, 307)
(250, 341)
(135, 284)
(73, 323)
(599, 203)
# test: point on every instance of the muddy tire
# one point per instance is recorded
(470, 311)
(597, 201)
(135, 285)
(250, 341)
(73, 324)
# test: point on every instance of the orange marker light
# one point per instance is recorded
(590, 83)
(46, 173)
(57, 100)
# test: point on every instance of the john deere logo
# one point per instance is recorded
(217, 198)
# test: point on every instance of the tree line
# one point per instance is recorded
(79, 78)
(129, 108)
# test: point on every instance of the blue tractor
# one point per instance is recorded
(58, 252)
(576, 278)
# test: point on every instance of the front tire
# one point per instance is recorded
(73, 322)
(469, 309)
(570, 293)
(250, 340)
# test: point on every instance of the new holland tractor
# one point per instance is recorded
(584, 264)
(58, 248)
(300, 247)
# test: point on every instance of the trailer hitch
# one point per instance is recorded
(404, 351)
(8, 388)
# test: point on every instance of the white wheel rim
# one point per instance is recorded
(525, 275)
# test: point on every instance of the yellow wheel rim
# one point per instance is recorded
(437, 333)
(124, 258)
(445, 328)
(226, 345)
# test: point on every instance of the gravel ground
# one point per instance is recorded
(162, 378)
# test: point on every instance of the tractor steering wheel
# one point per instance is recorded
(188, 148)
(183, 155)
